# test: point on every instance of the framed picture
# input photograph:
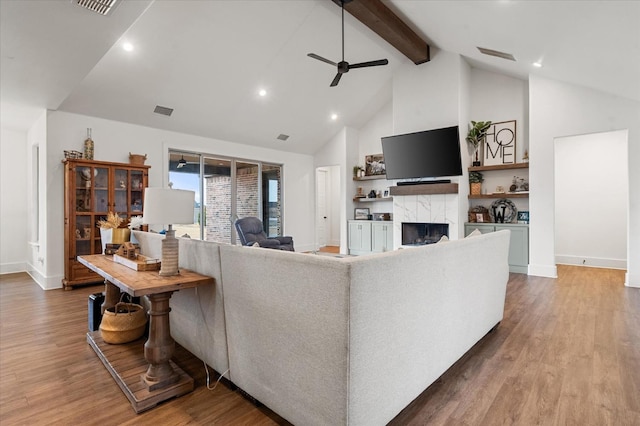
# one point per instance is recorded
(500, 144)
(523, 216)
(361, 214)
(374, 165)
(479, 214)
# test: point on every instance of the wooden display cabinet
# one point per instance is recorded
(91, 190)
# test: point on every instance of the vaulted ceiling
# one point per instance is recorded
(208, 59)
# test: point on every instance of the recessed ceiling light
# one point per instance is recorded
(127, 46)
(262, 92)
(537, 64)
(334, 117)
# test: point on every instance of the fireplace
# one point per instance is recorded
(421, 233)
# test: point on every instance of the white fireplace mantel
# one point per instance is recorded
(431, 207)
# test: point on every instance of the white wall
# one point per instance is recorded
(560, 109)
(113, 142)
(370, 142)
(496, 97)
(37, 258)
(14, 179)
(339, 154)
(591, 230)
(431, 96)
(426, 96)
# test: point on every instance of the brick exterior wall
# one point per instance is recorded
(218, 207)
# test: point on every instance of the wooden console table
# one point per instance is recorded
(144, 383)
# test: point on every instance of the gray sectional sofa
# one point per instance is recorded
(338, 341)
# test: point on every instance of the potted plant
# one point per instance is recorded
(476, 135)
(358, 171)
(475, 182)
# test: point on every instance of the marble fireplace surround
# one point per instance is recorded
(425, 203)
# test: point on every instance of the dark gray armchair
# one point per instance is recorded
(250, 232)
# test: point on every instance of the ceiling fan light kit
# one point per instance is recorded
(344, 66)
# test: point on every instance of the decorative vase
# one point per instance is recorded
(105, 237)
(476, 162)
(120, 235)
(476, 188)
(88, 146)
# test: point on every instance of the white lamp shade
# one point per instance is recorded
(168, 206)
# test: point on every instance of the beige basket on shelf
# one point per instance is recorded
(123, 323)
(476, 188)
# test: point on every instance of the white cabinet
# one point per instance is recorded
(518, 245)
(366, 236)
(381, 236)
(359, 237)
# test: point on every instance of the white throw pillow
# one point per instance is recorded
(475, 232)
(444, 239)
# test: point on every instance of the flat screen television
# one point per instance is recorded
(420, 155)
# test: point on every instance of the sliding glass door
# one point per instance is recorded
(231, 188)
(184, 173)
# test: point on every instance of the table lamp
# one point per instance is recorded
(168, 206)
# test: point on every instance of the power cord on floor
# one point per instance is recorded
(206, 368)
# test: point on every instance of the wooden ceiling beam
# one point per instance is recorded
(379, 18)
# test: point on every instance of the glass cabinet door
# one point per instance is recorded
(121, 190)
(83, 185)
(84, 234)
(101, 190)
(135, 192)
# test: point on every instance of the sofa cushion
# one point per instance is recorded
(474, 233)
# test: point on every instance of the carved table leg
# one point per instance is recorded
(159, 348)
(111, 296)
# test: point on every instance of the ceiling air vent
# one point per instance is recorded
(282, 137)
(496, 53)
(163, 110)
(103, 7)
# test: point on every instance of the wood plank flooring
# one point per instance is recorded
(567, 352)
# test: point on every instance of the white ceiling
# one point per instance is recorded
(208, 59)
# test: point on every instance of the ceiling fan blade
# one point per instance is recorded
(320, 58)
(369, 64)
(336, 80)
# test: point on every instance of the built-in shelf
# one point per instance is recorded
(370, 200)
(374, 177)
(425, 189)
(502, 195)
(499, 167)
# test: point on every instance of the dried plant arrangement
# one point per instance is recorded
(113, 221)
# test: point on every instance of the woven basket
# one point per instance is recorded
(123, 323)
(137, 158)
(476, 188)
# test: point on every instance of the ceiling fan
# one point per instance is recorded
(343, 66)
(182, 162)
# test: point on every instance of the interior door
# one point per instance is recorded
(321, 207)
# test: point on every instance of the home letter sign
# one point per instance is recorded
(500, 144)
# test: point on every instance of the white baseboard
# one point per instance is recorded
(593, 262)
(12, 268)
(47, 283)
(632, 280)
(548, 271)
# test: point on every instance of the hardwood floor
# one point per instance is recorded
(330, 249)
(567, 352)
